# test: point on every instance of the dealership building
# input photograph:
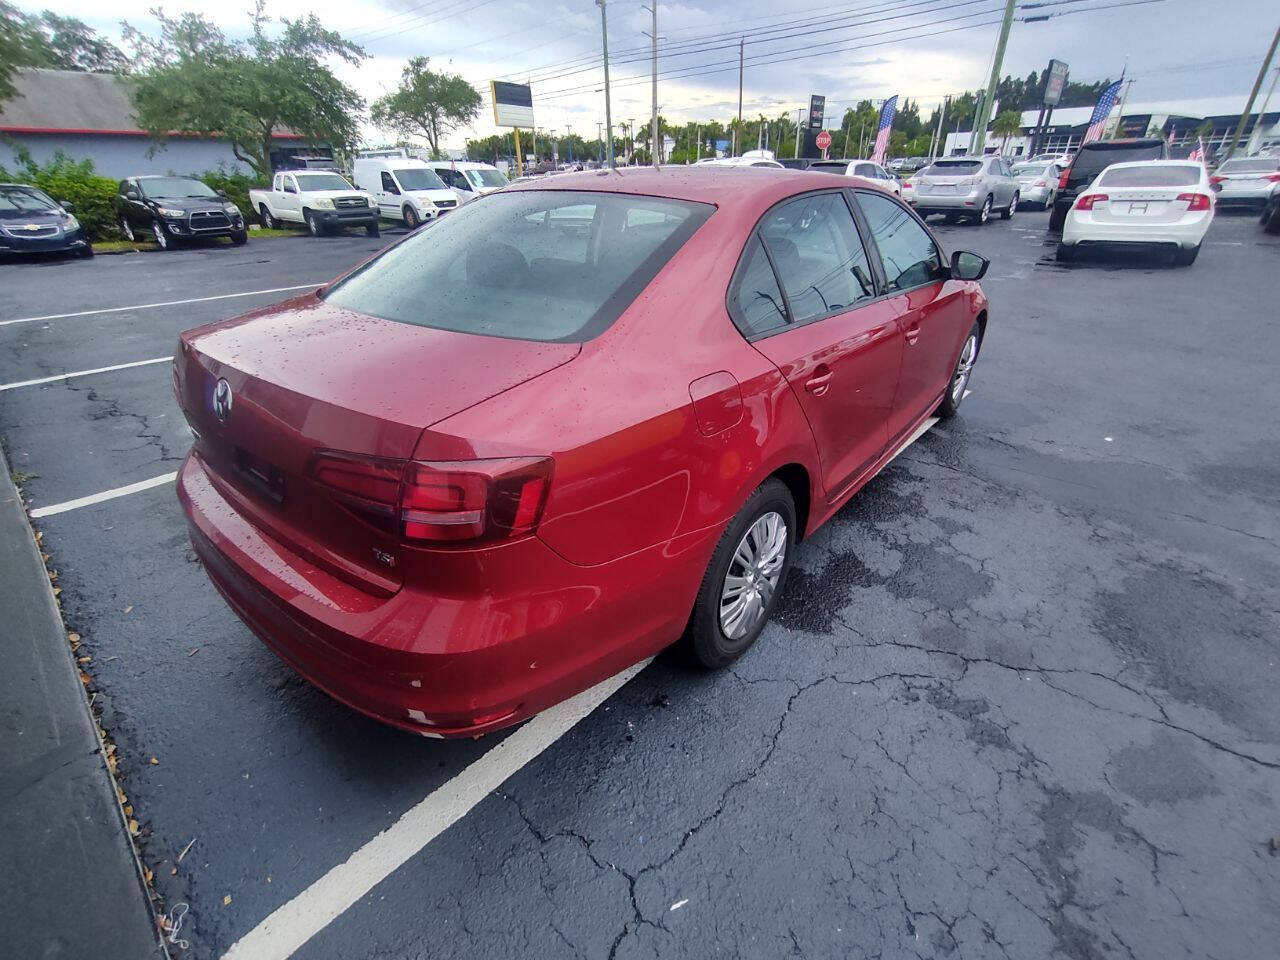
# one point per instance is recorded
(1179, 118)
(91, 115)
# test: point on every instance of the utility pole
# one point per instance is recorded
(848, 131)
(799, 122)
(608, 110)
(654, 38)
(1253, 95)
(937, 135)
(997, 61)
(737, 131)
(599, 143)
(1255, 138)
(1124, 95)
(697, 135)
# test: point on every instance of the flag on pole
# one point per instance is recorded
(1101, 111)
(886, 125)
(1198, 152)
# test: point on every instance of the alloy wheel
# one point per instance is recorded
(753, 574)
(1013, 205)
(162, 238)
(963, 368)
(985, 213)
(127, 229)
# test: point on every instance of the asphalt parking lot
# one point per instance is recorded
(1021, 698)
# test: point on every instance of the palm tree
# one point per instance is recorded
(1008, 123)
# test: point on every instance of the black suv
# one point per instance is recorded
(176, 209)
(1090, 160)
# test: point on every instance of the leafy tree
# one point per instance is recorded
(1007, 123)
(193, 79)
(427, 104)
(49, 40)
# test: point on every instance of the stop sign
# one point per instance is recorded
(823, 140)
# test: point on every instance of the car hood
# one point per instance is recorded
(433, 195)
(189, 203)
(34, 216)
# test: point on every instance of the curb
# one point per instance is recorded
(73, 885)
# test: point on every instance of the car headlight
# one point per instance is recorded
(370, 202)
(71, 223)
(231, 208)
(170, 212)
(323, 203)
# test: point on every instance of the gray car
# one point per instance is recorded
(968, 187)
(1038, 182)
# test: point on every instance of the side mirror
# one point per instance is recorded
(968, 266)
(67, 205)
(132, 195)
(222, 194)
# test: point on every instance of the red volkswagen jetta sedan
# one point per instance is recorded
(559, 429)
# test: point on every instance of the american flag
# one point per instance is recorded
(1102, 110)
(886, 125)
(1198, 152)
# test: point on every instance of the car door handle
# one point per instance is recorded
(820, 381)
(913, 333)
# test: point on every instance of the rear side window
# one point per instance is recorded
(909, 255)
(550, 265)
(1173, 176)
(757, 306)
(818, 254)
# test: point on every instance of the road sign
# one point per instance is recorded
(817, 111)
(823, 140)
(512, 104)
(1054, 81)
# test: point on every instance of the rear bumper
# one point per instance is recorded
(1187, 233)
(538, 630)
(931, 203)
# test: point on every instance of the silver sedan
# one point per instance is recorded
(1038, 182)
(969, 187)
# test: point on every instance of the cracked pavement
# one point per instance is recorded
(1020, 698)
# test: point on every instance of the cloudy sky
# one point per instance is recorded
(923, 49)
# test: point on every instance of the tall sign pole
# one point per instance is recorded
(1253, 95)
(937, 136)
(997, 61)
(608, 110)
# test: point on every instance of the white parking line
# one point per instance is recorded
(93, 498)
(166, 303)
(288, 928)
(80, 373)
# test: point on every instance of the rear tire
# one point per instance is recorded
(983, 215)
(961, 374)
(1066, 253)
(1185, 258)
(127, 229)
(1271, 219)
(268, 221)
(950, 218)
(752, 558)
(1058, 217)
(1008, 212)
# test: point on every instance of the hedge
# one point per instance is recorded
(76, 182)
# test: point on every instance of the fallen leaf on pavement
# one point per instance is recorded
(133, 827)
(226, 901)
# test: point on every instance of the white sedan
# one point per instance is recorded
(1154, 203)
(1245, 182)
(866, 169)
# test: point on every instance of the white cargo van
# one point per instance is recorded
(406, 189)
(469, 180)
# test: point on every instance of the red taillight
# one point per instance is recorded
(1087, 200)
(1273, 177)
(466, 501)
(1195, 201)
(474, 500)
(1216, 179)
(1062, 180)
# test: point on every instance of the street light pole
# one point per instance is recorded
(799, 120)
(608, 110)
(737, 133)
(654, 38)
(997, 61)
(1253, 95)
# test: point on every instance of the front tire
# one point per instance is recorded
(240, 237)
(163, 241)
(960, 375)
(313, 225)
(748, 571)
(411, 218)
(373, 230)
(85, 252)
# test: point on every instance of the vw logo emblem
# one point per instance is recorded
(222, 400)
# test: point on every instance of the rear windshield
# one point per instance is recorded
(951, 168)
(830, 166)
(1249, 166)
(1181, 175)
(550, 265)
(1030, 169)
(419, 178)
(1091, 161)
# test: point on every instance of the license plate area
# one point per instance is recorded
(259, 475)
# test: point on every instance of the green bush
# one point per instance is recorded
(75, 182)
(236, 186)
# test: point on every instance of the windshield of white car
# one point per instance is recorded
(419, 178)
(1031, 170)
(174, 188)
(1250, 166)
(322, 181)
(483, 177)
(1174, 175)
(951, 168)
(548, 265)
(19, 200)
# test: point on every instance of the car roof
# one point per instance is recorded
(715, 184)
(1157, 163)
(164, 176)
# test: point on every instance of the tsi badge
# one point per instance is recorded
(222, 400)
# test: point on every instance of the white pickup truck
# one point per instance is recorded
(322, 200)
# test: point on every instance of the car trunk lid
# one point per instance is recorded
(265, 393)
